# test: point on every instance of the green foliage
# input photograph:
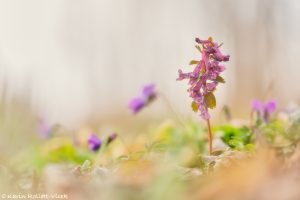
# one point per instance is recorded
(293, 130)
(184, 144)
(59, 151)
(210, 100)
(198, 48)
(237, 138)
(220, 79)
(194, 106)
(155, 147)
(274, 133)
(193, 62)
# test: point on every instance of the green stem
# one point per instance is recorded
(209, 137)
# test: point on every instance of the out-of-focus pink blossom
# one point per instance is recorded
(264, 110)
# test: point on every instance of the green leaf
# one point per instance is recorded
(194, 106)
(220, 79)
(193, 62)
(237, 138)
(198, 47)
(210, 100)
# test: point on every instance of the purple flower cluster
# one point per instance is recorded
(95, 143)
(264, 110)
(147, 96)
(205, 77)
(44, 129)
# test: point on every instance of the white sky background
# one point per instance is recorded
(73, 58)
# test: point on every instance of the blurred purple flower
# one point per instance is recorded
(111, 137)
(136, 104)
(257, 105)
(149, 91)
(264, 110)
(94, 142)
(147, 96)
(206, 75)
(44, 129)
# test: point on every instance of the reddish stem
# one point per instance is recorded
(209, 137)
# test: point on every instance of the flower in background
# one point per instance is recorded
(205, 77)
(94, 142)
(264, 110)
(111, 137)
(147, 96)
(44, 129)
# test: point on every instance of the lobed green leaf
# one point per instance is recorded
(210, 100)
(193, 62)
(199, 48)
(220, 79)
(194, 106)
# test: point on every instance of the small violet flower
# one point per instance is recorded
(264, 110)
(205, 77)
(94, 142)
(44, 129)
(147, 96)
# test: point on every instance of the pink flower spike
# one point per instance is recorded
(205, 77)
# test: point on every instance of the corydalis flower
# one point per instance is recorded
(205, 77)
(94, 142)
(264, 110)
(147, 96)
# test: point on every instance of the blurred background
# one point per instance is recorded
(76, 59)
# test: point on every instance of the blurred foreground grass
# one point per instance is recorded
(170, 161)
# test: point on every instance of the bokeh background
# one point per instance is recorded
(76, 59)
